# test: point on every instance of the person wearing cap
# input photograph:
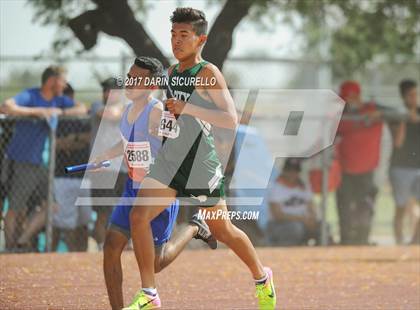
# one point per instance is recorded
(293, 219)
(106, 115)
(359, 132)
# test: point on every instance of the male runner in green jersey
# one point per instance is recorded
(187, 164)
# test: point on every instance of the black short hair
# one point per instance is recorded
(68, 91)
(407, 85)
(111, 83)
(196, 18)
(152, 64)
(292, 164)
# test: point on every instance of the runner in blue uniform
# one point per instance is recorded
(139, 145)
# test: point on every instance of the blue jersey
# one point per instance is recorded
(140, 149)
(29, 136)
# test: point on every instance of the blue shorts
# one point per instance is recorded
(405, 184)
(162, 225)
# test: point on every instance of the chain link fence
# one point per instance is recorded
(37, 196)
(37, 200)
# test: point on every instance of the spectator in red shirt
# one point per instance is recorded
(359, 133)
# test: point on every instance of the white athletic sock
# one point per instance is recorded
(151, 291)
(262, 280)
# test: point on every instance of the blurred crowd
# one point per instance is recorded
(24, 147)
(292, 216)
(358, 152)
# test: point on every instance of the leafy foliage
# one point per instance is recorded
(350, 33)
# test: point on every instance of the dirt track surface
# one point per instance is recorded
(306, 278)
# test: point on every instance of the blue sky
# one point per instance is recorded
(20, 36)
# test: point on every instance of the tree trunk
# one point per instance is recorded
(115, 18)
(220, 37)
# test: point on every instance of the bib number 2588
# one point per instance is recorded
(138, 154)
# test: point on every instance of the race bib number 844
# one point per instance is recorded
(168, 127)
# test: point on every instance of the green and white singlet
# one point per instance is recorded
(187, 161)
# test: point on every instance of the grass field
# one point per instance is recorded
(382, 231)
(382, 225)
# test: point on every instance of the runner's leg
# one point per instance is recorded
(224, 231)
(115, 243)
(141, 215)
(175, 246)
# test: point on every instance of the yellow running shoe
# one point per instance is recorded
(266, 292)
(144, 301)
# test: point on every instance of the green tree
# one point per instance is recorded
(350, 33)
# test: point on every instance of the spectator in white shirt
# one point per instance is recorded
(293, 219)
